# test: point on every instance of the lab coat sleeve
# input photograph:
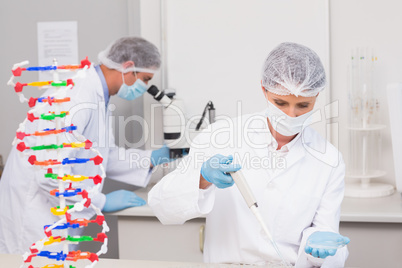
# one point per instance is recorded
(46, 185)
(177, 197)
(130, 166)
(327, 219)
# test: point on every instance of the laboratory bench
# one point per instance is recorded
(373, 224)
(13, 260)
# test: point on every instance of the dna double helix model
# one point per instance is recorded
(48, 109)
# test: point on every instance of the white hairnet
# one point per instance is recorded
(144, 54)
(293, 69)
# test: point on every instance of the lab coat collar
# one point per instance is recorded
(92, 73)
(104, 84)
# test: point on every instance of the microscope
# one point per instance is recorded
(174, 121)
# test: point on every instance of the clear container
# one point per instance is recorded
(365, 128)
(365, 151)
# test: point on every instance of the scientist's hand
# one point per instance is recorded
(324, 244)
(160, 156)
(122, 199)
(215, 170)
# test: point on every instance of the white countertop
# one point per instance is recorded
(14, 261)
(381, 209)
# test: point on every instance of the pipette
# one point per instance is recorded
(251, 202)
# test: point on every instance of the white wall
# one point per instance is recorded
(216, 49)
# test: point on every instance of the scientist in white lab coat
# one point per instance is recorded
(125, 68)
(297, 176)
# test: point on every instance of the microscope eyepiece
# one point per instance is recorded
(153, 90)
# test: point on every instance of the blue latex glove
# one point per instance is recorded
(324, 244)
(122, 199)
(215, 170)
(160, 156)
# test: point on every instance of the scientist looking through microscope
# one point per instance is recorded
(125, 68)
(299, 202)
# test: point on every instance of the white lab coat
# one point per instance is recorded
(295, 201)
(25, 201)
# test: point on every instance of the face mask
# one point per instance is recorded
(132, 92)
(284, 124)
